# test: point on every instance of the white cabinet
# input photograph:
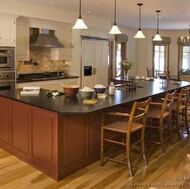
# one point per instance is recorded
(64, 35)
(22, 40)
(7, 31)
(95, 54)
(50, 84)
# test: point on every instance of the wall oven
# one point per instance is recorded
(7, 80)
(7, 57)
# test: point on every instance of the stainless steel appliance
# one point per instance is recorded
(7, 80)
(7, 58)
(7, 68)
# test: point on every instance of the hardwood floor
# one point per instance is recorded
(170, 170)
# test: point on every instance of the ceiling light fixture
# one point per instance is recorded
(115, 29)
(185, 39)
(139, 34)
(80, 23)
(157, 36)
(188, 38)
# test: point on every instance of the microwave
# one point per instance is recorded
(87, 70)
(7, 57)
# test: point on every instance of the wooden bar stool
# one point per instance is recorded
(159, 119)
(179, 111)
(117, 133)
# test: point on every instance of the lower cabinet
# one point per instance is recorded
(31, 134)
(56, 144)
(5, 121)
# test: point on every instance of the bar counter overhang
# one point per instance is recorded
(61, 135)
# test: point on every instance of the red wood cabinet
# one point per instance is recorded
(58, 145)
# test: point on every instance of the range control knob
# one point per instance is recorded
(6, 75)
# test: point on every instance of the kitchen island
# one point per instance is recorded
(60, 135)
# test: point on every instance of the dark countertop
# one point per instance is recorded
(74, 105)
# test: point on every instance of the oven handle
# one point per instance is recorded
(6, 81)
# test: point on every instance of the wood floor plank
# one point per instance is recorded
(169, 170)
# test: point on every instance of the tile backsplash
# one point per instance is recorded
(40, 61)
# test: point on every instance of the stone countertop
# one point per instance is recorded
(74, 105)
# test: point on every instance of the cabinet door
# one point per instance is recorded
(95, 54)
(5, 121)
(7, 31)
(101, 62)
(64, 36)
(22, 41)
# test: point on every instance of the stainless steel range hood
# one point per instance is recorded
(44, 38)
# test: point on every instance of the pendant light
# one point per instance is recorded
(139, 34)
(157, 36)
(80, 23)
(115, 29)
(188, 38)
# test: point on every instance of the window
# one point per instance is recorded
(159, 58)
(121, 46)
(184, 54)
(118, 60)
(160, 61)
(185, 58)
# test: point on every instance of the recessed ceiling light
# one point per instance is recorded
(89, 12)
(50, 2)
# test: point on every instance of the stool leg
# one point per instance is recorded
(186, 122)
(143, 146)
(177, 125)
(161, 136)
(169, 129)
(128, 150)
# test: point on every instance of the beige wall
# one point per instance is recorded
(138, 50)
(144, 47)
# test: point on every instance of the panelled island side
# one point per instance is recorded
(61, 135)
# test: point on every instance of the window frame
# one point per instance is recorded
(121, 39)
(166, 43)
(181, 44)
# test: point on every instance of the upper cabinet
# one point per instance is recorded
(7, 31)
(22, 42)
(64, 35)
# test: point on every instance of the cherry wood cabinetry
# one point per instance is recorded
(5, 121)
(56, 144)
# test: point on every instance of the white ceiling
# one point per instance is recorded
(175, 14)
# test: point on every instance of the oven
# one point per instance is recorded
(7, 57)
(7, 80)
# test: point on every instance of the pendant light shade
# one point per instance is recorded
(157, 36)
(139, 33)
(80, 23)
(115, 29)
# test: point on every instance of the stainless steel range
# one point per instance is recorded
(7, 68)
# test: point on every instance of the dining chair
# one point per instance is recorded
(117, 133)
(163, 74)
(150, 72)
(159, 120)
(179, 111)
